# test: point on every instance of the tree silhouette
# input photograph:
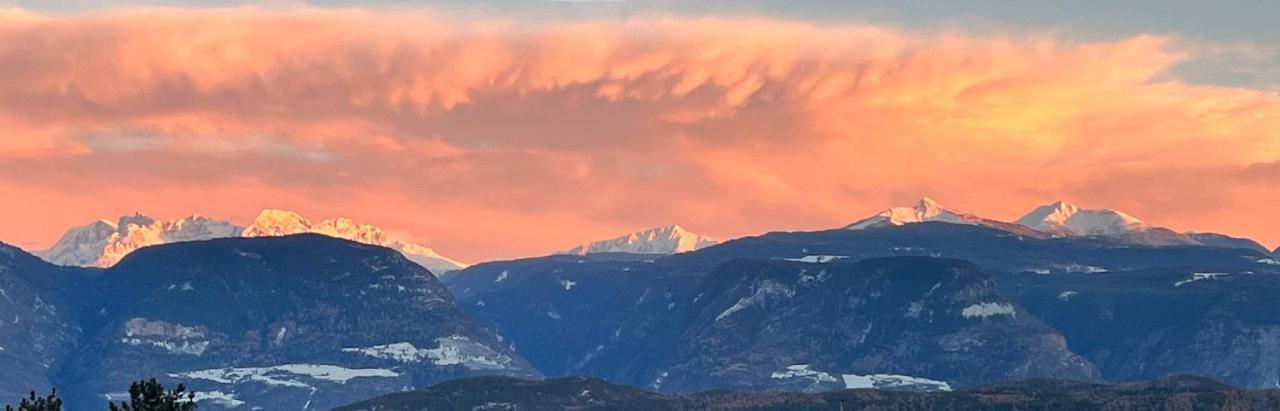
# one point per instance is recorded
(47, 403)
(150, 395)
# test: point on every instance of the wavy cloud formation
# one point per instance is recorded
(490, 138)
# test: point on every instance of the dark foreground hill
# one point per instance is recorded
(297, 322)
(501, 393)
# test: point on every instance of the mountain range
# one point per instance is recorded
(1058, 219)
(920, 298)
(103, 243)
(847, 303)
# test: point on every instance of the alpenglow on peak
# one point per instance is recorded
(926, 209)
(669, 239)
(1066, 219)
(103, 243)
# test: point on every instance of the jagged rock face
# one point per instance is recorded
(80, 246)
(274, 323)
(37, 330)
(912, 316)
(103, 243)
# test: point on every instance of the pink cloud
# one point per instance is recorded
(492, 138)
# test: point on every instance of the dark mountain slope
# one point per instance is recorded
(1153, 322)
(1221, 240)
(37, 328)
(938, 319)
(302, 321)
(611, 318)
(993, 250)
(562, 311)
(675, 329)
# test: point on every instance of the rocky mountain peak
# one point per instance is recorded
(669, 239)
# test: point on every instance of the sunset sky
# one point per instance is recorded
(507, 129)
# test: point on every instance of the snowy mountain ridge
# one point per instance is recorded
(924, 210)
(670, 239)
(1058, 219)
(103, 243)
(272, 222)
(1066, 219)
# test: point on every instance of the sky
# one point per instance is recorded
(492, 130)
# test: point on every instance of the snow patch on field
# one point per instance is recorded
(218, 398)
(984, 310)
(803, 371)
(1080, 268)
(854, 381)
(451, 350)
(892, 381)
(288, 375)
(181, 347)
(818, 258)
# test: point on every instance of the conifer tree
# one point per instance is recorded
(150, 395)
(50, 402)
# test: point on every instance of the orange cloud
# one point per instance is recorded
(495, 138)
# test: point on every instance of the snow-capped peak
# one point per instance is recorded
(272, 222)
(928, 205)
(1062, 218)
(925, 210)
(103, 243)
(670, 239)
